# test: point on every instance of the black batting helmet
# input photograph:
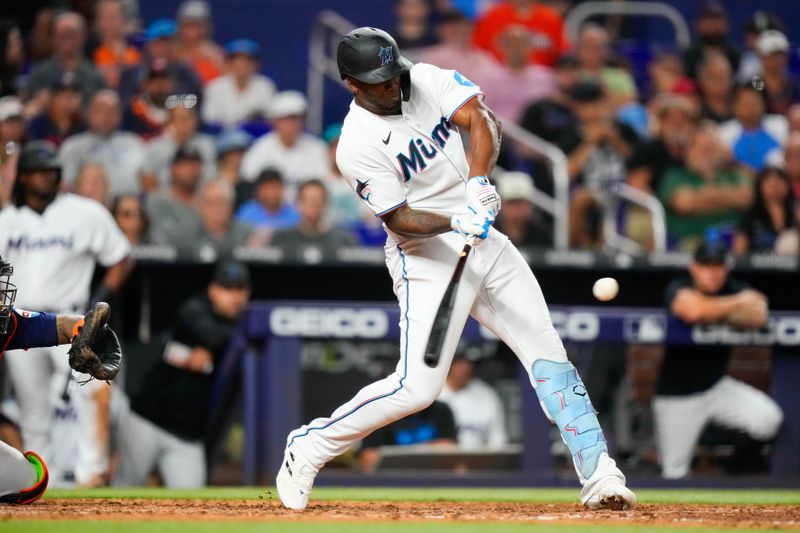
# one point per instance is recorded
(35, 156)
(370, 55)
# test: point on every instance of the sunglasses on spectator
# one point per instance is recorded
(187, 101)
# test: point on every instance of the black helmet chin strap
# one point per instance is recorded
(405, 86)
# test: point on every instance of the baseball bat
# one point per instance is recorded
(433, 350)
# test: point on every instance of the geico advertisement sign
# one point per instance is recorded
(337, 322)
(578, 326)
(783, 331)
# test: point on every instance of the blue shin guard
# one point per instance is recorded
(566, 403)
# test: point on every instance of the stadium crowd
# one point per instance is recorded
(186, 143)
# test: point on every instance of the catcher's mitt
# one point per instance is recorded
(95, 348)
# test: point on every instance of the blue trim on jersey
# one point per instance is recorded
(401, 204)
(402, 379)
(462, 104)
(34, 330)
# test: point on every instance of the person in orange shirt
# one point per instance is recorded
(548, 34)
(194, 45)
(114, 53)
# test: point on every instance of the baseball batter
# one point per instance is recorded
(402, 153)
(55, 239)
(24, 477)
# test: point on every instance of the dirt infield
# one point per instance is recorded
(268, 509)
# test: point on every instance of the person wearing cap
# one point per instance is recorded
(754, 137)
(781, 88)
(298, 155)
(181, 129)
(69, 37)
(693, 388)
(519, 220)
(159, 49)
(750, 64)
(173, 215)
(120, 153)
(268, 209)
(230, 146)
(712, 28)
(13, 128)
(706, 192)
(242, 94)
(193, 44)
(477, 408)
(166, 423)
(113, 53)
(62, 117)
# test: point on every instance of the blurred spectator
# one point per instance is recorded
(519, 219)
(434, 425)
(193, 44)
(131, 219)
(12, 58)
(788, 242)
(706, 193)
(298, 156)
(753, 138)
(711, 25)
(113, 52)
(69, 37)
(13, 128)
(791, 162)
(476, 406)
(666, 72)
(552, 118)
(230, 147)
(715, 80)
(165, 425)
(771, 214)
(549, 37)
(62, 116)
(312, 238)
(120, 153)
(159, 50)
(515, 84)
(148, 111)
(344, 206)
(219, 233)
(596, 158)
(750, 63)
(413, 27)
(180, 130)
(172, 213)
(92, 182)
(793, 116)
(693, 389)
(676, 123)
(242, 94)
(781, 88)
(268, 207)
(456, 50)
(594, 54)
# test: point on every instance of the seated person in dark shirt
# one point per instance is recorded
(552, 118)
(166, 422)
(433, 425)
(693, 388)
(771, 214)
(519, 220)
(312, 239)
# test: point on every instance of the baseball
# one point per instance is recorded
(605, 289)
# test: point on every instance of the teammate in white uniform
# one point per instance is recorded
(401, 152)
(54, 241)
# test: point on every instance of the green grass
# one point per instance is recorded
(700, 496)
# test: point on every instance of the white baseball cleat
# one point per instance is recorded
(294, 481)
(606, 488)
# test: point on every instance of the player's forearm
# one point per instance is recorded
(484, 137)
(413, 223)
(65, 327)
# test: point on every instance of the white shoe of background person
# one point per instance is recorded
(295, 480)
(606, 488)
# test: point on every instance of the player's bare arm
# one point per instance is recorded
(410, 222)
(747, 309)
(485, 133)
(66, 327)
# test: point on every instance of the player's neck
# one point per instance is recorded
(39, 203)
(375, 110)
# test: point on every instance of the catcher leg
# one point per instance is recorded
(23, 477)
(31, 372)
(183, 464)
(138, 450)
(92, 402)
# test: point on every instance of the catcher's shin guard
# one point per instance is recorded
(31, 494)
(566, 403)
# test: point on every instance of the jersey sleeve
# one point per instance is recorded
(372, 177)
(451, 89)
(108, 243)
(31, 330)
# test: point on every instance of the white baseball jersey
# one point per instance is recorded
(54, 254)
(478, 410)
(416, 157)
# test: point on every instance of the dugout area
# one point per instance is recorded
(234, 510)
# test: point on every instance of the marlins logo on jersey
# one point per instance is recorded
(363, 190)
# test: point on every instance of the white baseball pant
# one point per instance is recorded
(16, 472)
(679, 420)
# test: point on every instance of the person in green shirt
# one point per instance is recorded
(706, 192)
